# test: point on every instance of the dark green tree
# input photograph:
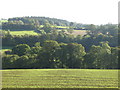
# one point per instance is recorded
(73, 55)
(8, 61)
(99, 56)
(21, 49)
(47, 28)
(47, 57)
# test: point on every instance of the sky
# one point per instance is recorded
(80, 11)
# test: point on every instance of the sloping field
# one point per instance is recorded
(79, 32)
(23, 32)
(3, 21)
(59, 78)
(75, 32)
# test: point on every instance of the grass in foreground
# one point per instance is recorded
(59, 78)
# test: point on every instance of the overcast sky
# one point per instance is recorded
(81, 11)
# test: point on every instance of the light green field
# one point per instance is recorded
(3, 21)
(5, 48)
(59, 78)
(64, 27)
(79, 32)
(75, 32)
(23, 32)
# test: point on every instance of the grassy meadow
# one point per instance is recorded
(62, 27)
(3, 21)
(78, 32)
(59, 78)
(23, 32)
(75, 32)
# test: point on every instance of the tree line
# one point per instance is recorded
(61, 55)
(31, 23)
(87, 40)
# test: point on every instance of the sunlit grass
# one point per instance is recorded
(63, 27)
(23, 33)
(3, 21)
(59, 78)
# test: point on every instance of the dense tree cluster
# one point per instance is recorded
(61, 55)
(52, 48)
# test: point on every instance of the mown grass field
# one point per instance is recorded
(23, 33)
(59, 78)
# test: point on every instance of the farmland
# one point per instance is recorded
(59, 78)
(78, 32)
(3, 21)
(75, 32)
(31, 32)
(62, 27)
(23, 33)
(53, 53)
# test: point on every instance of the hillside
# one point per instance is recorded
(32, 42)
(41, 20)
(30, 23)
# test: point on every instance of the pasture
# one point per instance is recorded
(3, 21)
(62, 27)
(23, 33)
(59, 78)
(79, 32)
(75, 32)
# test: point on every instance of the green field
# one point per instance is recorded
(3, 21)
(75, 32)
(78, 32)
(63, 27)
(23, 33)
(59, 78)
(5, 48)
